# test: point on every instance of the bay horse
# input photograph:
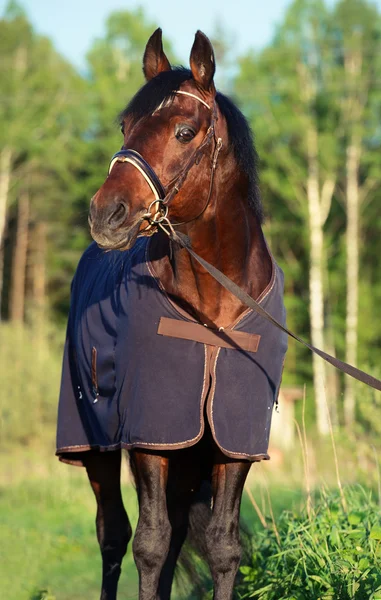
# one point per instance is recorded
(160, 359)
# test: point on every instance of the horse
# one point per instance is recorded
(160, 359)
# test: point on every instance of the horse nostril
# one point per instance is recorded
(118, 216)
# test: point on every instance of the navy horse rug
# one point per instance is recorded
(140, 372)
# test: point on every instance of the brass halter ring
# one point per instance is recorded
(160, 215)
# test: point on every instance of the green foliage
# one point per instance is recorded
(333, 554)
(42, 595)
(30, 365)
(300, 80)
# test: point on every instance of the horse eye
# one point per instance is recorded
(122, 129)
(184, 134)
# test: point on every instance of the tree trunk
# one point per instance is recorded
(38, 271)
(17, 306)
(352, 251)
(5, 178)
(316, 280)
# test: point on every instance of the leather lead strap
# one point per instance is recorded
(232, 287)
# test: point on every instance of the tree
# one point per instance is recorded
(115, 74)
(286, 86)
(37, 125)
(313, 96)
(357, 38)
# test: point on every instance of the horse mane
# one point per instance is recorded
(163, 88)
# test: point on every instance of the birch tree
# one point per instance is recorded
(294, 125)
(357, 34)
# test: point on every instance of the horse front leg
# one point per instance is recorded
(184, 508)
(153, 533)
(178, 516)
(112, 524)
(222, 534)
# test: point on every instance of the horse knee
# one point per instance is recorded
(224, 550)
(151, 546)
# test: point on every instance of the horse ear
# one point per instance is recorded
(202, 61)
(154, 60)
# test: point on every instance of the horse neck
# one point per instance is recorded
(230, 237)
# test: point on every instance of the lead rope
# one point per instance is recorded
(246, 299)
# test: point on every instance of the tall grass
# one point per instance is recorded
(30, 364)
(329, 550)
(330, 554)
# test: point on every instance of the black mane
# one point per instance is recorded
(164, 86)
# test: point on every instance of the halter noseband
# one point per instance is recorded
(134, 158)
(162, 199)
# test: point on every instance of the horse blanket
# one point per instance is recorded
(139, 372)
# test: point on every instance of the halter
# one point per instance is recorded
(134, 158)
(157, 212)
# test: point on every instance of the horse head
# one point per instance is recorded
(173, 134)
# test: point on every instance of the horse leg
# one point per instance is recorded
(112, 524)
(178, 518)
(188, 505)
(222, 535)
(153, 533)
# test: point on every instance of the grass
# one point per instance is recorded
(30, 367)
(333, 553)
(48, 538)
(47, 529)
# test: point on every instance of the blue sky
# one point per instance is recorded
(74, 24)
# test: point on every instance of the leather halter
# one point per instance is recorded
(162, 199)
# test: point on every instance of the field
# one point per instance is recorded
(49, 549)
(48, 534)
(47, 530)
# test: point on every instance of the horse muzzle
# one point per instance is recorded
(112, 227)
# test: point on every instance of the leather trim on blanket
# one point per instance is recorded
(94, 378)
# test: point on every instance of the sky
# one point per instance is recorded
(74, 24)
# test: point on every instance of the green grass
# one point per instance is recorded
(30, 372)
(48, 540)
(47, 529)
(332, 553)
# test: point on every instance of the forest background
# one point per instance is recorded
(313, 99)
